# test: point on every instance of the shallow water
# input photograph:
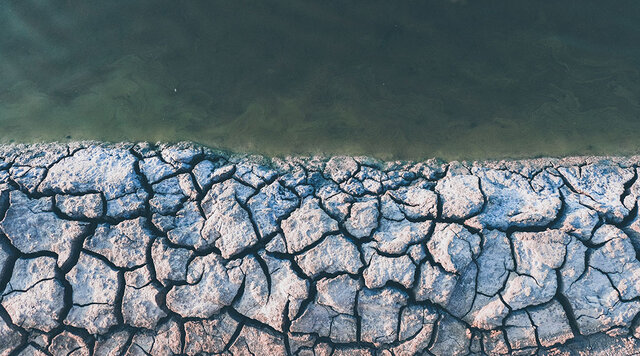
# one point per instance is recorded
(393, 79)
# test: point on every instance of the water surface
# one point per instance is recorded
(393, 79)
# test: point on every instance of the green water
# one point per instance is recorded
(393, 79)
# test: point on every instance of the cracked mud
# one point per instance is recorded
(141, 249)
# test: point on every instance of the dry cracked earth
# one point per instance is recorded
(141, 249)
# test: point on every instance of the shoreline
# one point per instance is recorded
(537, 161)
(179, 248)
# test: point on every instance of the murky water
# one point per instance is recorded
(393, 79)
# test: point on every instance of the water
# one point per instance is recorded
(393, 79)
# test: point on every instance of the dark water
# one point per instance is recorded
(393, 79)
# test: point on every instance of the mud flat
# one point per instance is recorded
(112, 249)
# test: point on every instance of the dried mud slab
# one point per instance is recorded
(158, 249)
